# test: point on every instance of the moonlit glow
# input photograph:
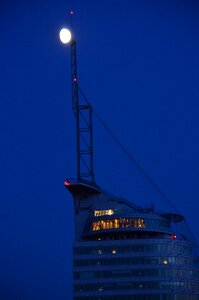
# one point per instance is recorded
(65, 35)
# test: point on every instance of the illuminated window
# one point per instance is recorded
(165, 261)
(98, 213)
(141, 223)
(138, 223)
(118, 223)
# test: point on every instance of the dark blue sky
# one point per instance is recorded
(138, 64)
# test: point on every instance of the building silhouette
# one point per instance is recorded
(123, 251)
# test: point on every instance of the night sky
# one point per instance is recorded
(138, 64)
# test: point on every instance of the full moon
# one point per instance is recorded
(65, 35)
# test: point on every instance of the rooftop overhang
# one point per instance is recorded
(81, 187)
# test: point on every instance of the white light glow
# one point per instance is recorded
(65, 35)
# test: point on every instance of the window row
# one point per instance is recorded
(152, 223)
(173, 285)
(135, 260)
(118, 223)
(129, 235)
(99, 213)
(169, 247)
(188, 274)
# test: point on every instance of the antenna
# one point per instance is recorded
(83, 116)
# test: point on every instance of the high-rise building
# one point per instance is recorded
(123, 251)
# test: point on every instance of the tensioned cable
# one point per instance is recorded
(129, 155)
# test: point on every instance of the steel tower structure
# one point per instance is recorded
(83, 116)
(123, 251)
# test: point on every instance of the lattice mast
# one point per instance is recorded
(84, 130)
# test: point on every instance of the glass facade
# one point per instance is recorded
(133, 267)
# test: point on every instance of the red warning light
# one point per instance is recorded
(66, 182)
(174, 237)
(75, 79)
